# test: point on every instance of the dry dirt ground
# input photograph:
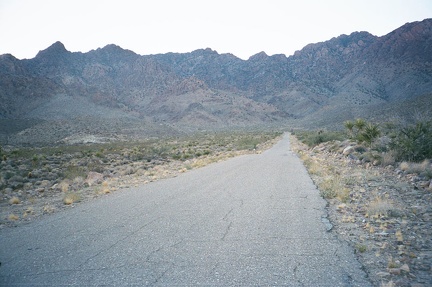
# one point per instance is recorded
(384, 212)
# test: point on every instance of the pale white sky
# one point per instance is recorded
(240, 27)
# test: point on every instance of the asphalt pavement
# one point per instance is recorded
(254, 220)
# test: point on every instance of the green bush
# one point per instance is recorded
(414, 142)
(362, 131)
(73, 171)
(247, 143)
(369, 133)
(2, 154)
(314, 138)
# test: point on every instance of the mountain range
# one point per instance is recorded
(111, 92)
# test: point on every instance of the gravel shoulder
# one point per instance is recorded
(385, 216)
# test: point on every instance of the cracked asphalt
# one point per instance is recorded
(252, 220)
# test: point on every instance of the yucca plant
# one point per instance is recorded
(349, 125)
(413, 143)
(369, 133)
(360, 124)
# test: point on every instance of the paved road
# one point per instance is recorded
(252, 220)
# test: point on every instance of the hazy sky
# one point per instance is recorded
(242, 28)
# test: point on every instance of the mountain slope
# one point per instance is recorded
(318, 85)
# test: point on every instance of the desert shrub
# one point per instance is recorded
(361, 248)
(423, 169)
(380, 207)
(160, 151)
(349, 125)
(414, 142)
(369, 133)
(360, 124)
(360, 149)
(73, 171)
(334, 186)
(71, 198)
(247, 143)
(314, 138)
(176, 156)
(14, 200)
(362, 131)
(388, 158)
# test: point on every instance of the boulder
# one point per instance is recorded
(348, 150)
(94, 178)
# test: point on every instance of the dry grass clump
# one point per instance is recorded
(327, 188)
(399, 236)
(28, 211)
(64, 186)
(387, 159)
(14, 200)
(379, 207)
(333, 186)
(13, 217)
(48, 209)
(105, 188)
(392, 263)
(71, 197)
(313, 167)
(424, 168)
(404, 166)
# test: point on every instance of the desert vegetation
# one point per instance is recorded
(377, 180)
(403, 142)
(35, 181)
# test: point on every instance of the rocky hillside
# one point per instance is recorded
(318, 85)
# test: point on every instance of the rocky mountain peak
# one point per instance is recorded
(8, 64)
(206, 51)
(414, 30)
(258, 57)
(55, 50)
(112, 48)
(112, 53)
(411, 41)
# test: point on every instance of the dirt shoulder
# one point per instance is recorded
(383, 212)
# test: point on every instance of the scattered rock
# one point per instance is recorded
(94, 178)
(383, 274)
(348, 150)
(405, 268)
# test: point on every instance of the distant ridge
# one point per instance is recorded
(203, 89)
